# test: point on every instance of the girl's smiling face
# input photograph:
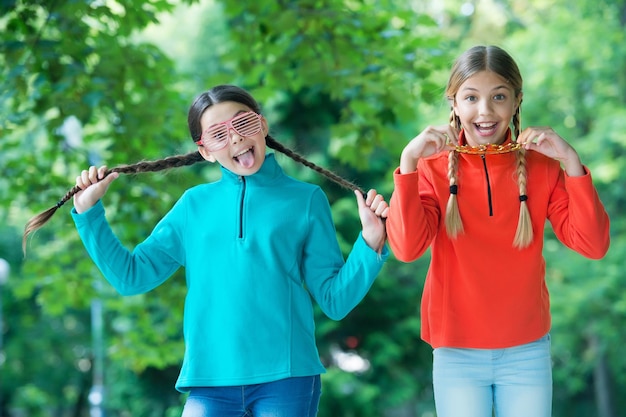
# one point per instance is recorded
(485, 103)
(242, 155)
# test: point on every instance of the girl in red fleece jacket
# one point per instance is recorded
(479, 196)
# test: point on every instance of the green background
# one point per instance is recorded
(346, 83)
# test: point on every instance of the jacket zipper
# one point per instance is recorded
(488, 185)
(243, 194)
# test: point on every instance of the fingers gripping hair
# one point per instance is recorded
(191, 158)
(42, 218)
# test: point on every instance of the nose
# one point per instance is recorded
(484, 107)
(233, 135)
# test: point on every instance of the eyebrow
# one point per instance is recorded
(493, 89)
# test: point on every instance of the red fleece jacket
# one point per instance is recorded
(480, 291)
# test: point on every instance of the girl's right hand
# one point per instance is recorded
(93, 186)
(432, 140)
(373, 210)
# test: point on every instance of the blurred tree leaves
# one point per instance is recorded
(345, 82)
(81, 61)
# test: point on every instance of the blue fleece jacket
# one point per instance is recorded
(255, 249)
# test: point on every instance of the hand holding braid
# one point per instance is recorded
(93, 184)
(144, 166)
(91, 177)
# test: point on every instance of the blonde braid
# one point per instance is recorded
(517, 121)
(524, 232)
(454, 224)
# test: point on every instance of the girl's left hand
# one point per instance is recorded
(373, 210)
(547, 142)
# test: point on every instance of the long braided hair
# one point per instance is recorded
(217, 94)
(495, 59)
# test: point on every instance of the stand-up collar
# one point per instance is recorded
(269, 171)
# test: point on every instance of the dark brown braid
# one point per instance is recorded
(144, 166)
(191, 158)
(231, 93)
(274, 144)
(217, 94)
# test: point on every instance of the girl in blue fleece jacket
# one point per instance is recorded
(256, 245)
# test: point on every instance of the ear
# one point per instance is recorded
(206, 154)
(453, 106)
(264, 127)
(519, 100)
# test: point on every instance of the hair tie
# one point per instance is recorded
(523, 197)
(453, 189)
(59, 204)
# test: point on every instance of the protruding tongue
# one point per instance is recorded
(246, 159)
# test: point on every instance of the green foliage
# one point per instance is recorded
(77, 59)
(362, 56)
(572, 83)
(344, 82)
(345, 394)
(129, 102)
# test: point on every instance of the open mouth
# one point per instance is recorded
(245, 158)
(486, 129)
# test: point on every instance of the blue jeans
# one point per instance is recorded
(284, 398)
(513, 382)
